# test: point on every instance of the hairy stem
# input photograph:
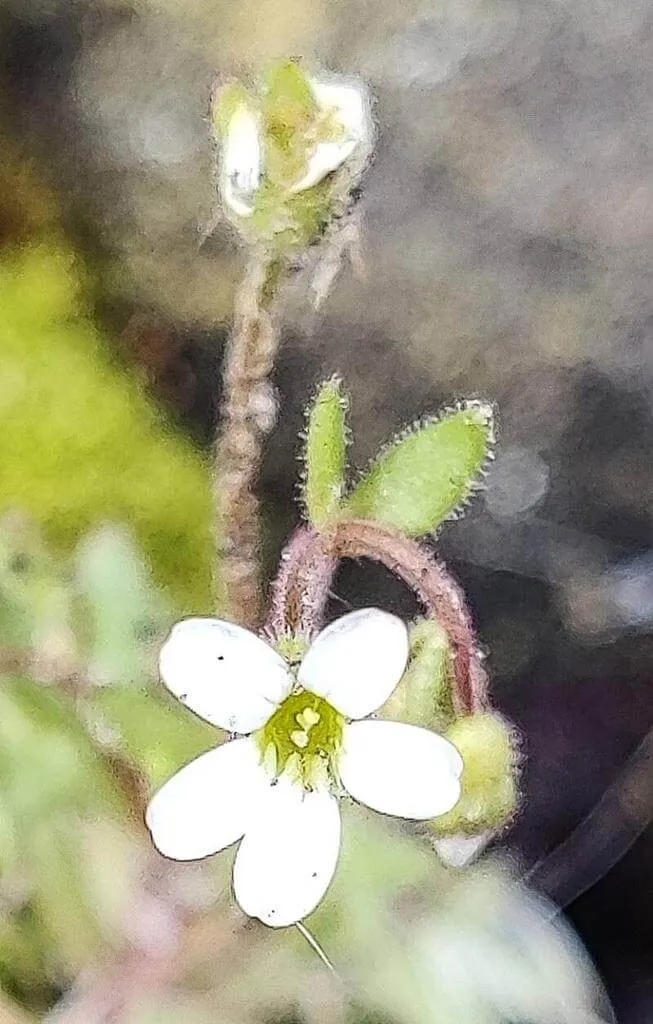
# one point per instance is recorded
(299, 593)
(441, 595)
(248, 414)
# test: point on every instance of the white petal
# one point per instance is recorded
(288, 856)
(400, 769)
(241, 167)
(207, 805)
(348, 105)
(356, 662)
(326, 157)
(224, 673)
(458, 851)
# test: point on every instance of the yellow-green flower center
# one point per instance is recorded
(303, 737)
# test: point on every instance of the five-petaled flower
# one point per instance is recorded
(302, 743)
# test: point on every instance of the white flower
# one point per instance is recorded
(343, 127)
(303, 745)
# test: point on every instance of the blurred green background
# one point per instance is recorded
(507, 241)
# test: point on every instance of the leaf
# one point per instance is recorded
(34, 601)
(423, 944)
(47, 761)
(61, 898)
(427, 474)
(289, 114)
(105, 452)
(26, 965)
(52, 779)
(326, 453)
(226, 101)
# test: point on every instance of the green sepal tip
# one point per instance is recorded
(326, 453)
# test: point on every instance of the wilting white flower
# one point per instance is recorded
(303, 744)
(343, 127)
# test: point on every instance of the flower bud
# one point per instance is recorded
(423, 697)
(345, 132)
(290, 157)
(489, 780)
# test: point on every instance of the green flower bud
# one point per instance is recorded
(423, 697)
(489, 780)
(290, 158)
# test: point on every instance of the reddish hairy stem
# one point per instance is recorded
(308, 564)
(299, 593)
(442, 597)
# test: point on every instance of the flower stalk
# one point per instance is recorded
(290, 159)
(442, 597)
(300, 592)
(248, 415)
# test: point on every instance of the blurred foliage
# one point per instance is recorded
(421, 943)
(51, 777)
(121, 616)
(82, 443)
(65, 819)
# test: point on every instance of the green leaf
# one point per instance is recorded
(326, 453)
(60, 897)
(106, 452)
(289, 115)
(226, 101)
(427, 474)
(48, 763)
(34, 601)
(425, 945)
(26, 964)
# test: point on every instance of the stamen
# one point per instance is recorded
(299, 738)
(270, 759)
(309, 717)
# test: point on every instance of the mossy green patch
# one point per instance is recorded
(82, 441)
